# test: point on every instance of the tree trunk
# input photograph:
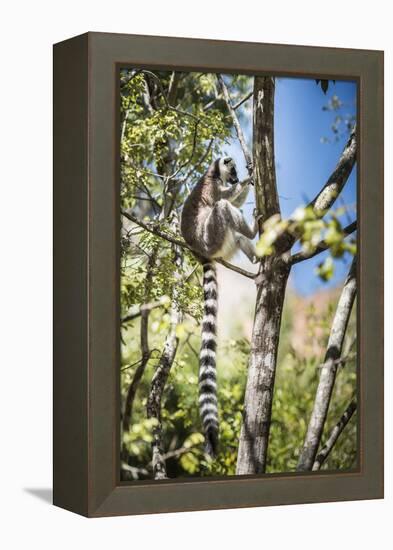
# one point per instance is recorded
(271, 284)
(254, 436)
(266, 196)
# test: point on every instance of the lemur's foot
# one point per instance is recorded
(256, 215)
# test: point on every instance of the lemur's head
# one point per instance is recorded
(227, 170)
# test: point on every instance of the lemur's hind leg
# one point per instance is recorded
(224, 215)
(247, 247)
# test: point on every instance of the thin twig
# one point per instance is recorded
(334, 435)
(167, 104)
(235, 120)
(143, 169)
(200, 162)
(340, 361)
(142, 308)
(243, 100)
(177, 452)
(188, 161)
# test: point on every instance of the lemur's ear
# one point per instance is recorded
(216, 168)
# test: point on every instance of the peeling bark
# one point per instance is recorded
(266, 196)
(328, 372)
(254, 435)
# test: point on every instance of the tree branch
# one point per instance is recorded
(188, 161)
(243, 100)
(178, 452)
(142, 307)
(328, 372)
(200, 161)
(173, 86)
(333, 187)
(165, 98)
(330, 191)
(235, 120)
(136, 472)
(334, 435)
(156, 231)
(235, 268)
(131, 473)
(321, 247)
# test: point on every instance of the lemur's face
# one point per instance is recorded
(228, 170)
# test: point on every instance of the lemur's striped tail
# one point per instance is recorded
(207, 361)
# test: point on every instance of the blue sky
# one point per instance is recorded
(303, 162)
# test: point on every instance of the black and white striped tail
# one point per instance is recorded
(207, 361)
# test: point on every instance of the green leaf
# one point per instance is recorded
(325, 269)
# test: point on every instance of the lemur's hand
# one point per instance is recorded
(249, 167)
(247, 181)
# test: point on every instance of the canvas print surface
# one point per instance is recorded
(238, 275)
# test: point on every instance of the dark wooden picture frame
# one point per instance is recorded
(86, 274)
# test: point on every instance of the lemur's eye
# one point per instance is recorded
(227, 161)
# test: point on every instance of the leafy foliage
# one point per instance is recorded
(312, 231)
(296, 382)
(343, 122)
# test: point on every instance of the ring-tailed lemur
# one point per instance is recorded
(213, 226)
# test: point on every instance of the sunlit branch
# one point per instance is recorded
(321, 247)
(333, 187)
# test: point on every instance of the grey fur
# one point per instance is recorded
(214, 227)
(211, 222)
